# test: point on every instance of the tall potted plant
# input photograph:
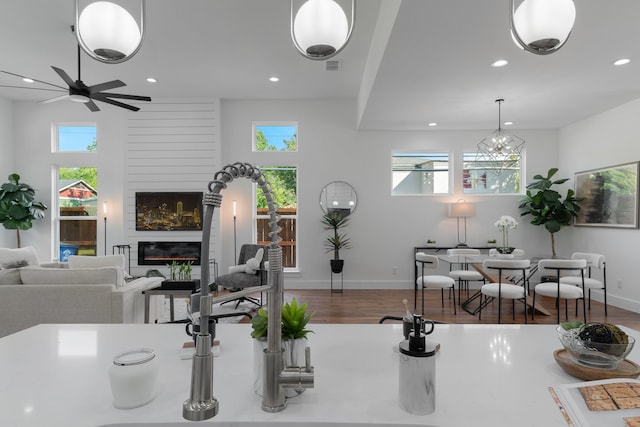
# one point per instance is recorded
(335, 221)
(17, 206)
(546, 205)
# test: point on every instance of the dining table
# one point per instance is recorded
(474, 302)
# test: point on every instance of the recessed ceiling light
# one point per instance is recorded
(432, 124)
(622, 61)
(508, 123)
(274, 79)
(27, 80)
(499, 63)
(152, 80)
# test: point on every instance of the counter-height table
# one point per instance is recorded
(486, 376)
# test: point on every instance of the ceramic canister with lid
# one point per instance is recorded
(133, 377)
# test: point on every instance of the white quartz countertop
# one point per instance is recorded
(486, 375)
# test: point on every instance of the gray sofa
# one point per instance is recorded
(32, 295)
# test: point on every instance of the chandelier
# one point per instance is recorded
(107, 32)
(500, 150)
(320, 28)
(542, 26)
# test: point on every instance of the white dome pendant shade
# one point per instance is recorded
(107, 32)
(320, 29)
(542, 26)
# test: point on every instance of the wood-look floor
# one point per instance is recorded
(369, 306)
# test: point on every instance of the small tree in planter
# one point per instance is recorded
(547, 207)
(17, 206)
(335, 221)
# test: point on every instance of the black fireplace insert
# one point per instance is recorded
(162, 253)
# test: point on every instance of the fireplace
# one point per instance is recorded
(163, 253)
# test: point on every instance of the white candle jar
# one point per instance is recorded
(133, 377)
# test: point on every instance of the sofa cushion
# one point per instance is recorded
(10, 276)
(79, 261)
(10, 258)
(75, 276)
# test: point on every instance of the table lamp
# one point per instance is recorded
(462, 209)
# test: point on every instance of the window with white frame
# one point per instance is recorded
(480, 177)
(415, 173)
(275, 136)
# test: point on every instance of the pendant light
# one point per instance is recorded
(500, 150)
(542, 26)
(107, 32)
(320, 28)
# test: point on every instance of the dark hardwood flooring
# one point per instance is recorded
(370, 305)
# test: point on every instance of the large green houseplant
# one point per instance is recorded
(335, 221)
(546, 205)
(17, 206)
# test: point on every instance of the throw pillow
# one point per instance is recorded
(10, 277)
(11, 256)
(253, 264)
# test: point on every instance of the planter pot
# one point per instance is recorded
(336, 265)
(293, 356)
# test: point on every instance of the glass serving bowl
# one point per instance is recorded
(593, 354)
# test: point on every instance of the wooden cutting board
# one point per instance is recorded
(626, 368)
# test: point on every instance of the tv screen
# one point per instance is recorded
(169, 211)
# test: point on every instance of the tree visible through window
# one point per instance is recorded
(275, 137)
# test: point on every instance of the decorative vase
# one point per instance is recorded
(336, 265)
(293, 356)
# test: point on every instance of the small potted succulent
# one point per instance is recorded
(431, 242)
(491, 243)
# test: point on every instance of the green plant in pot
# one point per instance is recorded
(546, 205)
(294, 334)
(18, 209)
(335, 221)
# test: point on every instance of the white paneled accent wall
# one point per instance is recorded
(171, 146)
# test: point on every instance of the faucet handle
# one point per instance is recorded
(307, 359)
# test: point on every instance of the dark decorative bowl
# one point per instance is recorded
(595, 355)
(505, 250)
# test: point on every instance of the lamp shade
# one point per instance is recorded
(544, 25)
(108, 30)
(320, 28)
(462, 210)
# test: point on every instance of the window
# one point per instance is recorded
(480, 177)
(77, 210)
(275, 136)
(81, 138)
(420, 173)
(284, 182)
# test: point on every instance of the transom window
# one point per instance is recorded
(275, 136)
(420, 173)
(479, 177)
(75, 138)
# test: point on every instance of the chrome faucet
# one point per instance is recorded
(201, 404)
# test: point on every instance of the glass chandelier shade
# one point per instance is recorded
(500, 150)
(320, 28)
(542, 26)
(108, 32)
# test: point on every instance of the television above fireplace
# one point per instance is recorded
(163, 253)
(169, 211)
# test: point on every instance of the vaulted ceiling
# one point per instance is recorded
(409, 62)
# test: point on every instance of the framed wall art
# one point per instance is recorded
(610, 196)
(169, 211)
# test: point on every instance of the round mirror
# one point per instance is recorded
(338, 196)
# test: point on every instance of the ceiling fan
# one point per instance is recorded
(78, 91)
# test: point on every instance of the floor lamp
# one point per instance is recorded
(464, 210)
(104, 211)
(235, 249)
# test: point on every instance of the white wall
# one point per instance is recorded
(383, 229)
(607, 139)
(7, 238)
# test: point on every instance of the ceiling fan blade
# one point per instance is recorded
(92, 106)
(57, 98)
(122, 96)
(64, 76)
(106, 86)
(35, 80)
(35, 88)
(116, 103)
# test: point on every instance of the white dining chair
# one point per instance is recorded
(504, 288)
(559, 268)
(594, 261)
(433, 281)
(461, 272)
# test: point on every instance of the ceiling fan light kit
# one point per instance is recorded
(542, 26)
(320, 28)
(107, 32)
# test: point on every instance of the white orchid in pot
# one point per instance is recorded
(504, 224)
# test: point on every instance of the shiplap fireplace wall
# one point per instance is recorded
(171, 146)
